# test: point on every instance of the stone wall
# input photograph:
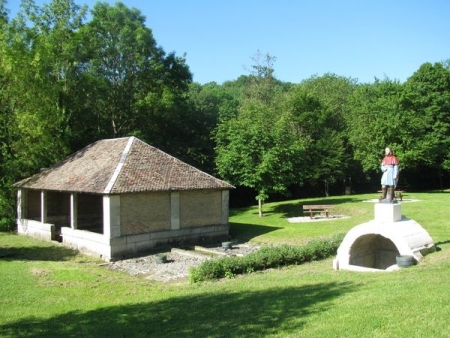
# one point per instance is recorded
(200, 208)
(144, 212)
(152, 211)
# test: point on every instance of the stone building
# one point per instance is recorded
(119, 197)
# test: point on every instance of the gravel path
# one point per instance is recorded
(178, 262)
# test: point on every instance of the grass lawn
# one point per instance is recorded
(50, 291)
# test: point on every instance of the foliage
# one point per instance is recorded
(413, 118)
(255, 148)
(36, 74)
(266, 258)
(134, 88)
(426, 100)
(206, 103)
(375, 121)
(325, 159)
(66, 82)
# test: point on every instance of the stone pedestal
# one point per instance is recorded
(387, 212)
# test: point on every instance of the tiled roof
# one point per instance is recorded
(121, 165)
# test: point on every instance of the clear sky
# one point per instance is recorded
(361, 39)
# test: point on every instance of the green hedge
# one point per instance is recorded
(266, 258)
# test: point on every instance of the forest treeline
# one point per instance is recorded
(67, 81)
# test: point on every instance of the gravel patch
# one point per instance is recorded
(178, 262)
(307, 219)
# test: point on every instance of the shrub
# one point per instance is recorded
(266, 258)
(7, 214)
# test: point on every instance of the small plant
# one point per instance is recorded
(229, 274)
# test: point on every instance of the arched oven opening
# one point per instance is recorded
(373, 251)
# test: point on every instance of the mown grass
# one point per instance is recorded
(49, 291)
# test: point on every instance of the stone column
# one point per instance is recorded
(74, 210)
(111, 216)
(43, 206)
(175, 210)
(21, 204)
(225, 206)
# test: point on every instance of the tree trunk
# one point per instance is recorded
(260, 208)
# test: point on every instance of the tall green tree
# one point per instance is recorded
(255, 148)
(134, 87)
(35, 72)
(206, 104)
(36, 63)
(330, 155)
(426, 101)
(374, 121)
(6, 179)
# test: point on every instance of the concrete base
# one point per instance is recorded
(110, 249)
(36, 229)
(374, 246)
(387, 212)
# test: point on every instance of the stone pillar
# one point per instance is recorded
(21, 204)
(21, 211)
(388, 212)
(111, 216)
(225, 206)
(74, 210)
(175, 210)
(43, 206)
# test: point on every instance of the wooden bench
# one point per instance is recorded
(318, 209)
(399, 194)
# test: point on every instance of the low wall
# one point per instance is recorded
(116, 248)
(37, 229)
(90, 243)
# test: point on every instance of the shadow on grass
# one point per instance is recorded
(295, 209)
(245, 232)
(442, 242)
(239, 314)
(438, 244)
(37, 253)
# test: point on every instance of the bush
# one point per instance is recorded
(7, 214)
(266, 258)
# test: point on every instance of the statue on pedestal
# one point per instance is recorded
(389, 179)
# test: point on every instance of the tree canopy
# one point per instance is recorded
(67, 81)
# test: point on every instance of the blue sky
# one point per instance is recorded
(360, 39)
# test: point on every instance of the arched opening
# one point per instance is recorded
(373, 251)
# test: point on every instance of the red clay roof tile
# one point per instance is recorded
(121, 165)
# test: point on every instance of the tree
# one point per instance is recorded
(413, 119)
(134, 87)
(65, 84)
(329, 153)
(37, 64)
(206, 104)
(35, 73)
(374, 122)
(426, 101)
(255, 148)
